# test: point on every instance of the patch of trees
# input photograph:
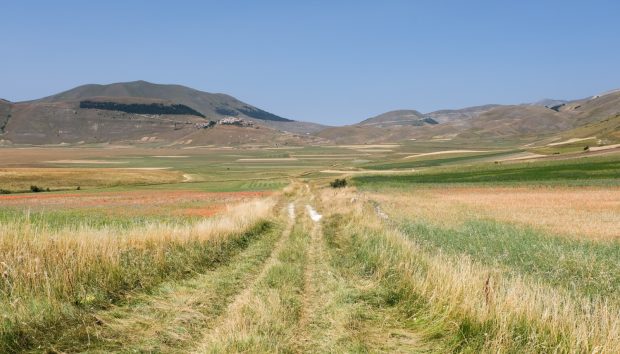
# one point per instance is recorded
(430, 120)
(260, 114)
(142, 108)
(557, 107)
(226, 111)
(4, 122)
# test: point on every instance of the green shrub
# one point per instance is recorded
(338, 183)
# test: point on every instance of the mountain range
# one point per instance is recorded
(140, 112)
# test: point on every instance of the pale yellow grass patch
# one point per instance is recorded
(274, 159)
(329, 155)
(522, 156)
(445, 152)
(171, 156)
(367, 172)
(374, 150)
(369, 146)
(606, 147)
(573, 140)
(87, 162)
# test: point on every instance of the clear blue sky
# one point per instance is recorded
(332, 62)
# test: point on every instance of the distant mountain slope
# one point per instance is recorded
(140, 112)
(212, 105)
(606, 131)
(5, 114)
(447, 115)
(65, 122)
(389, 126)
(398, 118)
(550, 103)
(594, 108)
(546, 118)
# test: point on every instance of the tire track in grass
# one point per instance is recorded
(361, 312)
(243, 296)
(321, 325)
(255, 312)
(311, 272)
(175, 316)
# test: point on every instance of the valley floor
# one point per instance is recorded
(348, 271)
(263, 256)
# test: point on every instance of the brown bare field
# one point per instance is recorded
(18, 179)
(592, 212)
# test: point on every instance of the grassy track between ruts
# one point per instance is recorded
(264, 317)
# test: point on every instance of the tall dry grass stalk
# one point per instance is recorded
(83, 264)
(517, 312)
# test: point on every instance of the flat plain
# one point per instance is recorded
(431, 247)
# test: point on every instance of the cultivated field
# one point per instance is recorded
(430, 248)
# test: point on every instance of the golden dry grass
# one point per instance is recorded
(55, 266)
(592, 212)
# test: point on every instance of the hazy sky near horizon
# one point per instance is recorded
(333, 62)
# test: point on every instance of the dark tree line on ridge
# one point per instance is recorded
(142, 108)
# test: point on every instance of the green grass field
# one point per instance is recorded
(594, 170)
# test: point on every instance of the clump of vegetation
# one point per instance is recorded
(586, 148)
(5, 191)
(37, 189)
(338, 183)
